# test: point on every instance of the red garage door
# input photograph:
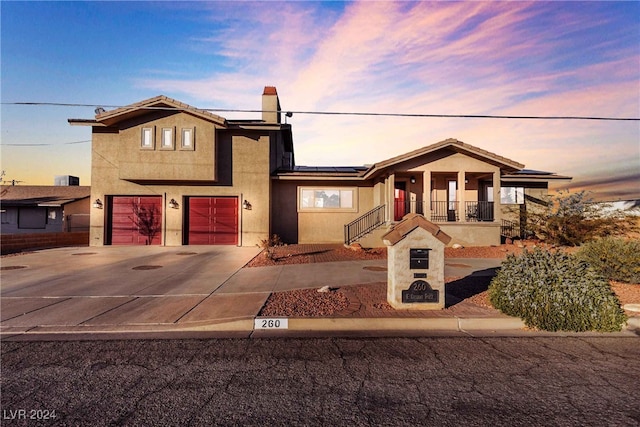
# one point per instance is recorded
(213, 221)
(136, 220)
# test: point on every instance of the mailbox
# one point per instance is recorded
(415, 264)
(419, 259)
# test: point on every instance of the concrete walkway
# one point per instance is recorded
(116, 292)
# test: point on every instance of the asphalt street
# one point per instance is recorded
(563, 381)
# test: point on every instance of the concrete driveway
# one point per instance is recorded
(116, 285)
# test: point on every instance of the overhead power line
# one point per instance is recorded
(340, 113)
(42, 144)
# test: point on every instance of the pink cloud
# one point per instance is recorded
(442, 57)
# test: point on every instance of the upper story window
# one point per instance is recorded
(167, 139)
(187, 140)
(148, 141)
(512, 195)
(328, 199)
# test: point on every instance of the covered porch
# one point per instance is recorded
(445, 197)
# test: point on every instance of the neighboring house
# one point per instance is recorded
(44, 209)
(197, 178)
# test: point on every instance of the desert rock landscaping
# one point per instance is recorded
(370, 300)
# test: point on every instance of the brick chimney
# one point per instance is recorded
(270, 105)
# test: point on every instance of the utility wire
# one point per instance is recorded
(43, 144)
(335, 113)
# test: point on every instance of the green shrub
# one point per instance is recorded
(614, 258)
(554, 291)
(570, 219)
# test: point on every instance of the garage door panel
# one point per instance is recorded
(123, 228)
(213, 221)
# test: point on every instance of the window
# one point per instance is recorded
(452, 195)
(33, 218)
(512, 195)
(187, 140)
(167, 139)
(328, 199)
(147, 142)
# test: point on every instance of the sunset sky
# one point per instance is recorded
(454, 58)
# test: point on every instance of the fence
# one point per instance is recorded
(11, 243)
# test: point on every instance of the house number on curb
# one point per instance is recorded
(270, 323)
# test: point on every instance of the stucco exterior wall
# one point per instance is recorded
(241, 170)
(472, 234)
(294, 225)
(159, 163)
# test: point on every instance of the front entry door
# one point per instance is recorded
(399, 201)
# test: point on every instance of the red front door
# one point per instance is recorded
(399, 204)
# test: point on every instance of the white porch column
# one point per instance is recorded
(497, 211)
(426, 194)
(390, 196)
(462, 210)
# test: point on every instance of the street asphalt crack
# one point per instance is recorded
(332, 382)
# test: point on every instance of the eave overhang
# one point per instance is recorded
(450, 144)
(158, 103)
(534, 177)
(310, 177)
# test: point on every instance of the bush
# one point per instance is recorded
(614, 258)
(573, 218)
(269, 244)
(554, 291)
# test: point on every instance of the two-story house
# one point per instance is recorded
(199, 178)
(194, 178)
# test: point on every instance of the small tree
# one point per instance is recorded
(147, 220)
(269, 245)
(573, 218)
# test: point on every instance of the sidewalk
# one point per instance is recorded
(224, 301)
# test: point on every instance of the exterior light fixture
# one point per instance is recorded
(97, 204)
(173, 204)
(412, 179)
(246, 205)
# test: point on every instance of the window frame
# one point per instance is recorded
(340, 190)
(518, 190)
(151, 132)
(32, 218)
(171, 140)
(192, 141)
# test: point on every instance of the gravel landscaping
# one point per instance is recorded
(336, 302)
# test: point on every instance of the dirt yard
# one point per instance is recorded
(310, 302)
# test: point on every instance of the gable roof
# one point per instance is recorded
(161, 102)
(451, 144)
(409, 223)
(42, 195)
(530, 175)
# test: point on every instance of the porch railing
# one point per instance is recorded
(448, 211)
(364, 224)
(478, 211)
(444, 211)
(511, 229)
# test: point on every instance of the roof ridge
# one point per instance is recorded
(442, 144)
(154, 100)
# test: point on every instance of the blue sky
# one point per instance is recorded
(500, 58)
